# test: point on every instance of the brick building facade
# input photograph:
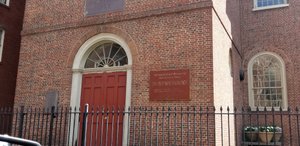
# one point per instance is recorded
(153, 35)
(214, 40)
(277, 31)
(11, 20)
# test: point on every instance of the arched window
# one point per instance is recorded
(106, 55)
(267, 85)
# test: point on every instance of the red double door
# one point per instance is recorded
(108, 91)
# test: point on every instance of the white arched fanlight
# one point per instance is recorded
(106, 55)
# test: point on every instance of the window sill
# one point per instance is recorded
(270, 7)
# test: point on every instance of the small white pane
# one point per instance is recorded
(259, 3)
(265, 3)
(278, 83)
(270, 2)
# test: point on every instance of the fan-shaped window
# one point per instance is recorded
(106, 55)
(267, 81)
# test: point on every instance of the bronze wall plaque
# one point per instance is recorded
(171, 85)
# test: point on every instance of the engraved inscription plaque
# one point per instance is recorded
(94, 7)
(170, 85)
(51, 99)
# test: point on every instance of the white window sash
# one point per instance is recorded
(2, 32)
(257, 8)
(5, 2)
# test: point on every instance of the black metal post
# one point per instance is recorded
(52, 116)
(21, 122)
(84, 124)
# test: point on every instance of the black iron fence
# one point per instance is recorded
(153, 126)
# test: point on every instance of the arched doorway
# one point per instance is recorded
(102, 75)
(104, 89)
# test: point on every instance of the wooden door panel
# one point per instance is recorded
(99, 98)
(87, 81)
(87, 94)
(98, 80)
(110, 80)
(106, 90)
(122, 80)
(121, 101)
(110, 97)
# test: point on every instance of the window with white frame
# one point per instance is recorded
(1, 42)
(267, 85)
(269, 3)
(5, 2)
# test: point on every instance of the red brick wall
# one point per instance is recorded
(274, 30)
(177, 37)
(41, 13)
(162, 41)
(11, 19)
(278, 31)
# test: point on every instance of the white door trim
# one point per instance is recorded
(78, 69)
